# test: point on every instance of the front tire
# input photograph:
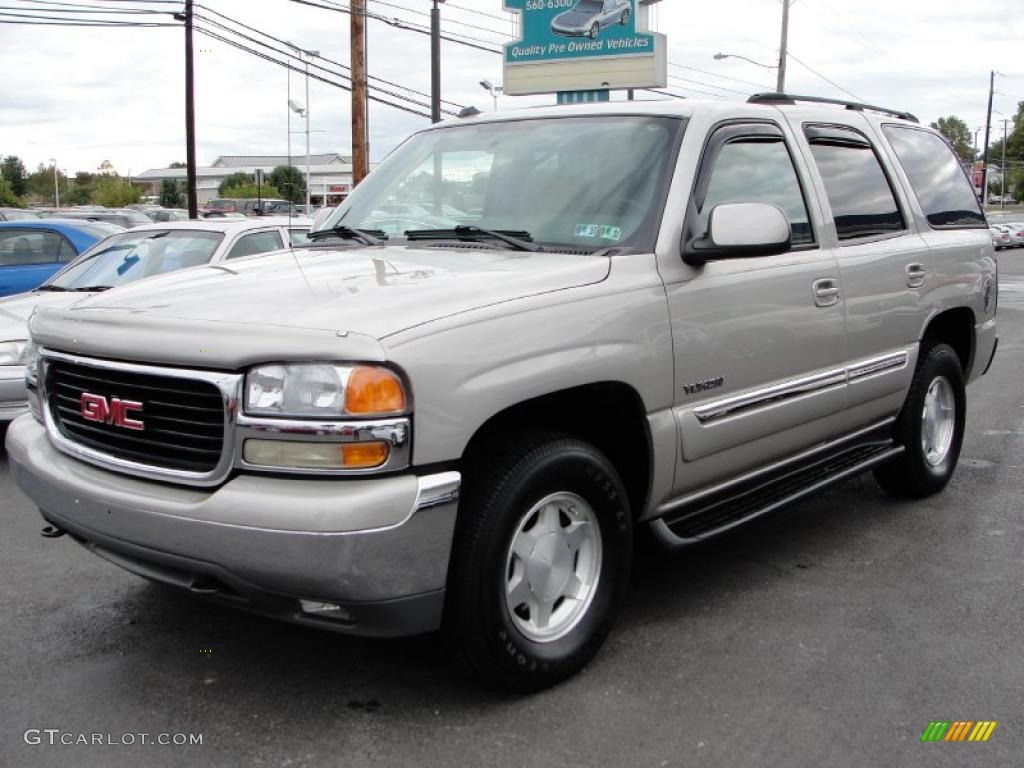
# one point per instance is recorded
(595, 31)
(930, 426)
(541, 561)
(624, 19)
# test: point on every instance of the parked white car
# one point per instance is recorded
(143, 251)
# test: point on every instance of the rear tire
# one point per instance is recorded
(595, 31)
(541, 561)
(930, 426)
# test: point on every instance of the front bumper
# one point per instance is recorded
(13, 400)
(377, 547)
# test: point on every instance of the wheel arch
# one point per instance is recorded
(954, 326)
(609, 414)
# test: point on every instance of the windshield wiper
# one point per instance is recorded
(91, 288)
(365, 236)
(52, 288)
(519, 240)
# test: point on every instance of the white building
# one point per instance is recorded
(330, 176)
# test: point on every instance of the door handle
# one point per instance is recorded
(915, 275)
(826, 292)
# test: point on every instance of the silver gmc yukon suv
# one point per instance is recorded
(522, 338)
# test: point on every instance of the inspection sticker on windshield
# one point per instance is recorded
(602, 231)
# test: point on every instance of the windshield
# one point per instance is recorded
(131, 256)
(588, 6)
(567, 182)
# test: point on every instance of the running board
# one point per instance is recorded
(710, 516)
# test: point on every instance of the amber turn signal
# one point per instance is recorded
(373, 391)
(363, 455)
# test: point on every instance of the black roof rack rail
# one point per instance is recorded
(788, 98)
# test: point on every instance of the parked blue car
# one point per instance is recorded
(32, 250)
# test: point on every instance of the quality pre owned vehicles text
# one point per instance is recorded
(522, 338)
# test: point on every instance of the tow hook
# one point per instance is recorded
(52, 532)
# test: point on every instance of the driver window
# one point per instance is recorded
(757, 170)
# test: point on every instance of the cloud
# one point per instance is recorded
(88, 95)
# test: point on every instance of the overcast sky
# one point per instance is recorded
(89, 95)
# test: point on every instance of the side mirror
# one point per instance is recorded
(740, 230)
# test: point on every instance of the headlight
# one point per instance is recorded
(323, 390)
(13, 352)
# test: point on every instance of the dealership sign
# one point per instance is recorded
(576, 45)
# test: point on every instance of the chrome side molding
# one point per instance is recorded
(734, 404)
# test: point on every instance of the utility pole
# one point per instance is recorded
(190, 116)
(984, 149)
(1002, 183)
(308, 177)
(56, 185)
(780, 83)
(435, 63)
(360, 159)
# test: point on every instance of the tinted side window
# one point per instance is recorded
(257, 242)
(298, 237)
(757, 171)
(26, 246)
(938, 180)
(858, 191)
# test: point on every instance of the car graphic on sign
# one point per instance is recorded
(588, 17)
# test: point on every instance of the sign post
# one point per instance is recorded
(581, 49)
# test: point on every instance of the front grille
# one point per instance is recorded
(183, 419)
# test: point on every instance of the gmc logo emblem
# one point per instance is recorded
(115, 411)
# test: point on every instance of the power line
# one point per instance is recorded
(716, 74)
(447, 18)
(318, 56)
(49, 7)
(406, 24)
(288, 54)
(830, 82)
(50, 21)
(479, 13)
(58, 17)
(709, 85)
(292, 67)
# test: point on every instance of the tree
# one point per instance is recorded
(249, 190)
(235, 180)
(290, 181)
(40, 183)
(79, 194)
(12, 170)
(1015, 139)
(177, 165)
(7, 197)
(170, 194)
(959, 135)
(114, 192)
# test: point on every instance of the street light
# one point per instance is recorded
(56, 187)
(304, 112)
(494, 90)
(720, 56)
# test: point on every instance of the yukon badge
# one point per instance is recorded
(703, 386)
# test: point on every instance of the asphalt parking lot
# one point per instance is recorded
(828, 634)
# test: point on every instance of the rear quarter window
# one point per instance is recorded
(935, 174)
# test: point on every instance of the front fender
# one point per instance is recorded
(464, 371)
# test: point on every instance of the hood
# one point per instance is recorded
(369, 293)
(16, 310)
(574, 19)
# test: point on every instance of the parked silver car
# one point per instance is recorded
(143, 251)
(388, 432)
(588, 17)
